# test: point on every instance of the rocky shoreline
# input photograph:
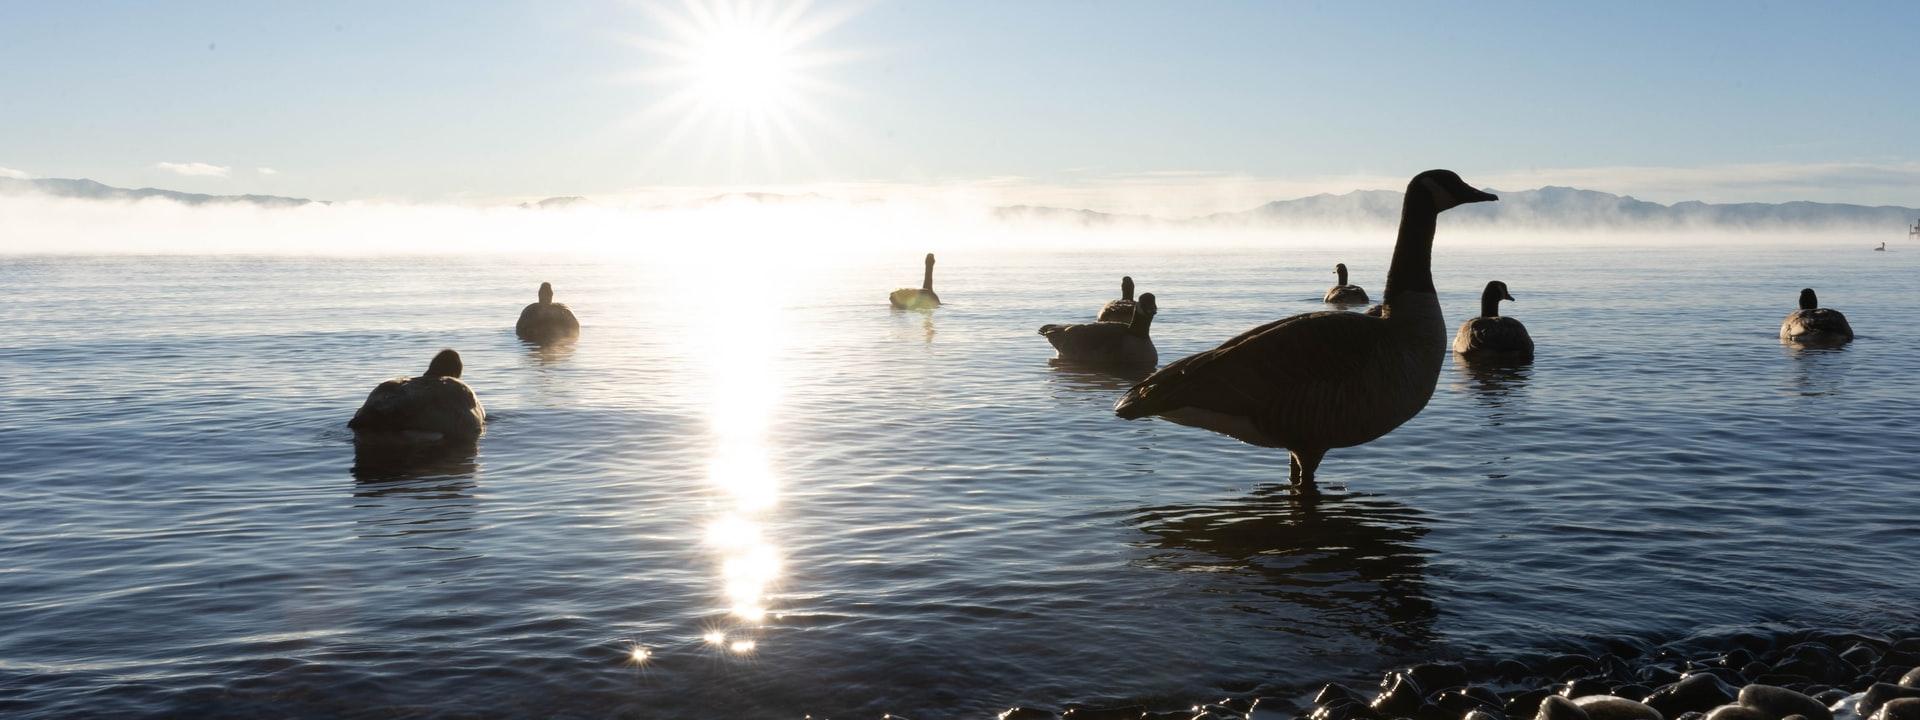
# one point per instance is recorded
(1799, 675)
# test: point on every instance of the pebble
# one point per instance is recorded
(1124, 712)
(1737, 712)
(1555, 707)
(1613, 707)
(1778, 702)
(1911, 679)
(1880, 693)
(1438, 675)
(1699, 692)
(1900, 709)
(1026, 713)
(1399, 696)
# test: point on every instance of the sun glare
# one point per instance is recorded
(742, 74)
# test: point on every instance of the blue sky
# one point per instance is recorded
(1099, 103)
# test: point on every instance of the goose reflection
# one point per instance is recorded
(411, 490)
(1322, 563)
(1097, 378)
(903, 330)
(1494, 386)
(549, 353)
(1817, 371)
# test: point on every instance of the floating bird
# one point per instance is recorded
(1324, 380)
(1108, 342)
(1343, 294)
(1882, 248)
(917, 299)
(436, 403)
(1814, 325)
(1119, 310)
(1491, 337)
(546, 320)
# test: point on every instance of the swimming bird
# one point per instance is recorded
(1323, 380)
(546, 320)
(1108, 342)
(1491, 337)
(1343, 294)
(917, 299)
(1815, 325)
(436, 403)
(1119, 310)
(1882, 248)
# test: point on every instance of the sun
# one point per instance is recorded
(746, 76)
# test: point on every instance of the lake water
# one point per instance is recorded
(792, 499)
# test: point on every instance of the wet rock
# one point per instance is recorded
(1829, 697)
(1880, 694)
(1860, 656)
(1333, 711)
(1215, 712)
(1755, 669)
(1907, 645)
(1727, 675)
(1026, 713)
(1861, 682)
(1816, 661)
(1613, 707)
(1509, 669)
(1630, 691)
(1736, 658)
(1555, 707)
(1526, 704)
(1737, 712)
(1400, 696)
(1583, 687)
(1563, 667)
(1334, 692)
(1460, 701)
(1238, 704)
(1483, 715)
(1911, 679)
(1438, 674)
(1656, 675)
(1691, 716)
(1270, 708)
(1699, 692)
(1797, 682)
(1123, 712)
(1779, 702)
(1901, 709)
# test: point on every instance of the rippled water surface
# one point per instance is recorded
(791, 499)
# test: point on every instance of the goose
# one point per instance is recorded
(1815, 325)
(1491, 337)
(545, 320)
(1343, 294)
(1882, 248)
(436, 403)
(922, 298)
(1323, 380)
(1119, 310)
(1108, 342)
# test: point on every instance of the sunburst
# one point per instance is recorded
(746, 77)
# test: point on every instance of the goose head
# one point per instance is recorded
(1446, 190)
(1147, 305)
(1126, 287)
(929, 261)
(546, 297)
(1340, 270)
(1491, 297)
(445, 364)
(1808, 300)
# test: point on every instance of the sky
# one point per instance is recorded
(1135, 106)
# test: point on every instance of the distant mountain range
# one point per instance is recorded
(90, 190)
(1548, 207)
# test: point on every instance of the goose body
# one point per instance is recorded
(1491, 337)
(1815, 325)
(546, 320)
(436, 403)
(1119, 310)
(1323, 380)
(1108, 342)
(1343, 294)
(921, 298)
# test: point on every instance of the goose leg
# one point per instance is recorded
(1303, 462)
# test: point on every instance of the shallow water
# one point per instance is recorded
(799, 501)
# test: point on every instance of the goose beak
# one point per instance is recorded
(1509, 297)
(1479, 196)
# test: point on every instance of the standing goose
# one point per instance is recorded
(1108, 342)
(1119, 310)
(1815, 325)
(1491, 337)
(1323, 380)
(546, 320)
(922, 298)
(1343, 294)
(437, 402)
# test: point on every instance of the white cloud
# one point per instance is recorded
(194, 169)
(7, 172)
(266, 171)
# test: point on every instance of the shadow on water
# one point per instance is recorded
(382, 459)
(1082, 376)
(1818, 370)
(409, 490)
(1323, 563)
